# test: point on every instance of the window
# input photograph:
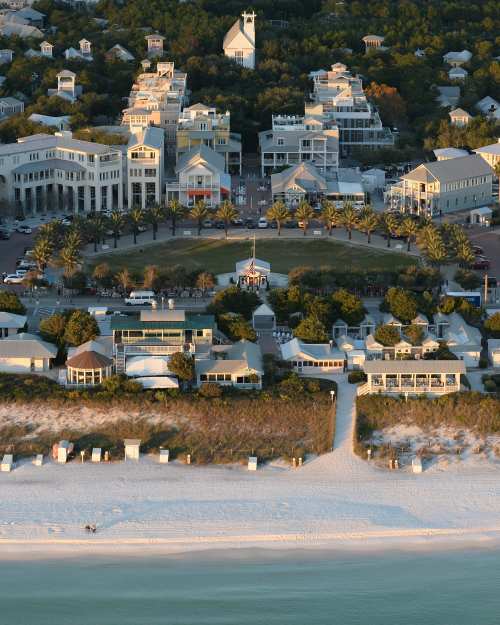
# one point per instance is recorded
(280, 141)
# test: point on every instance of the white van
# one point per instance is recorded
(140, 298)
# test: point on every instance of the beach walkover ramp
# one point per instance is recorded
(342, 462)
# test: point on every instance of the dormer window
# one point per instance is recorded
(280, 141)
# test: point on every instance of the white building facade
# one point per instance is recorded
(47, 170)
(239, 42)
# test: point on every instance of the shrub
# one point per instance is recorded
(235, 300)
(492, 325)
(236, 327)
(210, 390)
(415, 334)
(355, 377)
(387, 335)
(10, 302)
(490, 386)
(483, 363)
(182, 365)
(80, 328)
(311, 330)
(468, 280)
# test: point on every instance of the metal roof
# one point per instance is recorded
(451, 170)
(413, 366)
(192, 321)
(26, 346)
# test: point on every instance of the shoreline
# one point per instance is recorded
(419, 540)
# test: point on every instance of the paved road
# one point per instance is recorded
(12, 249)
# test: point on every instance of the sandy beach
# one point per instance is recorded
(334, 501)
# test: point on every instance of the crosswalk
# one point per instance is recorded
(45, 312)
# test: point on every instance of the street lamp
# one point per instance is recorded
(332, 396)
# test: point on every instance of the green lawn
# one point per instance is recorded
(220, 256)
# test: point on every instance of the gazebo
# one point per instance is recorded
(253, 273)
(88, 368)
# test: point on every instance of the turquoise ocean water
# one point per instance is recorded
(437, 588)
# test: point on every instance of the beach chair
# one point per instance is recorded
(7, 463)
(38, 460)
(164, 456)
(96, 454)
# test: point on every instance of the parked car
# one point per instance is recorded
(263, 223)
(142, 228)
(481, 264)
(65, 222)
(250, 224)
(13, 278)
(477, 249)
(273, 224)
(220, 225)
(24, 229)
(291, 223)
(208, 223)
(4, 235)
(238, 222)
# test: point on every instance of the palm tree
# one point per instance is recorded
(154, 216)
(175, 211)
(349, 218)
(435, 249)
(464, 254)
(304, 214)
(199, 213)
(50, 231)
(70, 259)
(101, 272)
(124, 279)
(116, 223)
(42, 252)
(389, 225)
(73, 239)
(278, 213)
(97, 229)
(330, 216)
(150, 276)
(408, 229)
(136, 217)
(226, 213)
(368, 223)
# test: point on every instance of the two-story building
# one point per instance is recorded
(159, 334)
(200, 176)
(444, 186)
(56, 170)
(202, 125)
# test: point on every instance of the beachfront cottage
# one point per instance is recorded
(435, 377)
(26, 353)
(312, 358)
(155, 333)
(90, 363)
(240, 366)
(11, 324)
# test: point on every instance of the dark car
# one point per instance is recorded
(481, 264)
(238, 222)
(208, 223)
(291, 223)
(220, 225)
(250, 224)
(4, 235)
(273, 224)
(477, 249)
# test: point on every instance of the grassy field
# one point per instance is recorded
(220, 256)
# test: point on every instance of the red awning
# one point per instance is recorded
(195, 192)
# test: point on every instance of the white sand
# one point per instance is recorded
(335, 500)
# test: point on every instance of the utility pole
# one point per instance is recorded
(485, 289)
